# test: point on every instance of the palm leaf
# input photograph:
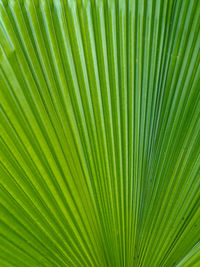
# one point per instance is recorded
(100, 133)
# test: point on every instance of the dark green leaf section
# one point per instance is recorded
(100, 133)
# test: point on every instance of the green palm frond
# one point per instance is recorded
(100, 133)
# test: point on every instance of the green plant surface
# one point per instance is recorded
(100, 133)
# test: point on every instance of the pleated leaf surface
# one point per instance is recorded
(99, 133)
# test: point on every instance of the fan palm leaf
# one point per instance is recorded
(100, 133)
